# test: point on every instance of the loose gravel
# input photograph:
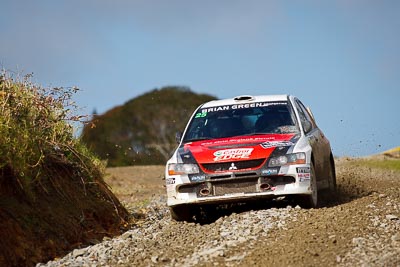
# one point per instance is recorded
(162, 241)
(360, 228)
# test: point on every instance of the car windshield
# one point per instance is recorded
(241, 119)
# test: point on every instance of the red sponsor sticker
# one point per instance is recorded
(235, 153)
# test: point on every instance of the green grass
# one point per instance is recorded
(388, 164)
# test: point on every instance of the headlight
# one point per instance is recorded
(180, 168)
(288, 159)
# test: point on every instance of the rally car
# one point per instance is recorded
(249, 148)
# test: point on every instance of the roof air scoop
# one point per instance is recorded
(243, 98)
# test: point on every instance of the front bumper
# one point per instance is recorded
(238, 186)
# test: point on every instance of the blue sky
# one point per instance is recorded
(341, 58)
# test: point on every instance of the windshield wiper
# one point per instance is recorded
(197, 139)
(255, 134)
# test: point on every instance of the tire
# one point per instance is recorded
(312, 200)
(181, 213)
(332, 180)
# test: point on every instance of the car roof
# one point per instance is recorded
(245, 99)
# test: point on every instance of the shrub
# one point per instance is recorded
(36, 130)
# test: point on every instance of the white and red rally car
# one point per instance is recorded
(249, 148)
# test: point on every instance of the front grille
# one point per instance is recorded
(233, 175)
(233, 165)
(243, 186)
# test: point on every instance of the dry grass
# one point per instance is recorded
(35, 129)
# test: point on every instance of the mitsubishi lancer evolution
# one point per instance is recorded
(249, 148)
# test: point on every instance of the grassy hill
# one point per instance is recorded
(142, 131)
(393, 153)
(52, 194)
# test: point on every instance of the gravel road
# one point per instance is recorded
(360, 228)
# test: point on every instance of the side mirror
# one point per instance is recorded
(307, 126)
(178, 137)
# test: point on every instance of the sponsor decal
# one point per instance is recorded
(170, 181)
(200, 115)
(270, 144)
(235, 153)
(304, 177)
(197, 178)
(238, 140)
(269, 172)
(303, 173)
(303, 169)
(241, 106)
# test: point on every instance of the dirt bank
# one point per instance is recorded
(63, 211)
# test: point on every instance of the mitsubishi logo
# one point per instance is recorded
(232, 167)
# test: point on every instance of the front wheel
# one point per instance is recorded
(332, 178)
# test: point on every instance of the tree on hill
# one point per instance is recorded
(142, 131)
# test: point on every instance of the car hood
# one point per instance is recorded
(234, 149)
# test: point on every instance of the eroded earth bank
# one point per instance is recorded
(359, 228)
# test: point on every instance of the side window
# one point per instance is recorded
(307, 114)
(304, 115)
